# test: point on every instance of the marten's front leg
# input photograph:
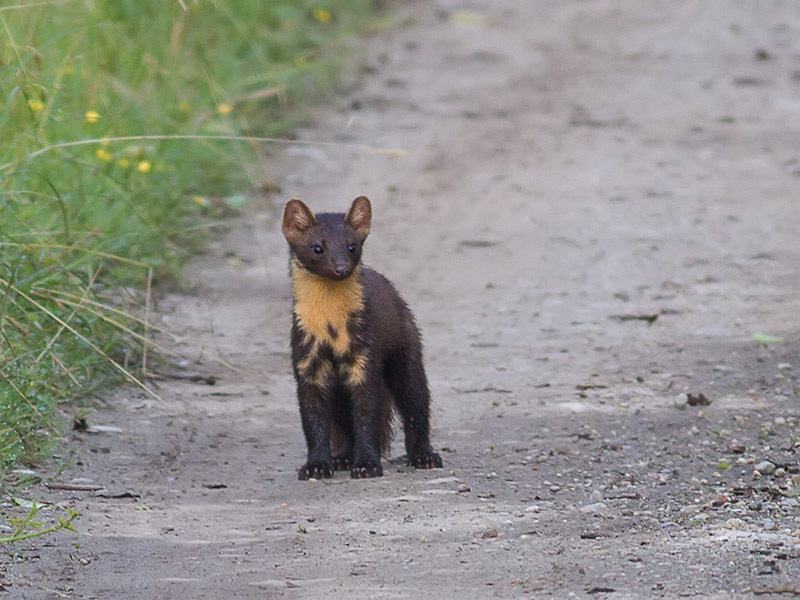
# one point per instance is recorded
(368, 421)
(315, 415)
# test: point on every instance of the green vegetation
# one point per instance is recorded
(86, 227)
(26, 528)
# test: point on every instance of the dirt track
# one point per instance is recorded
(570, 166)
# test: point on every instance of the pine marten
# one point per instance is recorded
(356, 349)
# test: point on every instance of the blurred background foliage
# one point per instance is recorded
(86, 227)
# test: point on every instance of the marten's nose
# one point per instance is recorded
(341, 270)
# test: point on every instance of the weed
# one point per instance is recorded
(26, 527)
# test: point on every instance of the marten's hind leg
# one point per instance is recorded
(405, 376)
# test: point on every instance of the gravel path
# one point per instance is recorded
(592, 208)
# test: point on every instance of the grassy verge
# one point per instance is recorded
(85, 228)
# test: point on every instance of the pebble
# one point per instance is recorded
(784, 366)
(780, 421)
(736, 448)
(767, 524)
(489, 534)
(765, 467)
(534, 508)
(779, 472)
(735, 523)
(596, 508)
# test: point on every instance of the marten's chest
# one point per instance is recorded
(324, 308)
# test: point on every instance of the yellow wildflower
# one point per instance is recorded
(102, 154)
(184, 106)
(69, 69)
(202, 201)
(300, 61)
(91, 116)
(124, 163)
(322, 15)
(224, 108)
(144, 166)
(36, 105)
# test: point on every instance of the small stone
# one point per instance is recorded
(784, 366)
(311, 519)
(680, 400)
(779, 472)
(736, 448)
(735, 523)
(534, 508)
(767, 524)
(463, 488)
(596, 508)
(765, 467)
(780, 421)
(423, 539)
(489, 534)
(756, 474)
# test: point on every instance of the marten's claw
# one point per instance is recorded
(428, 460)
(366, 471)
(321, 471)
(342, 463)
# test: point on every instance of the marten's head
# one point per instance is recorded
(327, 244)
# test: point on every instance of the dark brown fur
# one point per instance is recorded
(356, 350)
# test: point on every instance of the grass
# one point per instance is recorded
(110, 170)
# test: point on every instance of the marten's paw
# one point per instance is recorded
(366, 471)
(320, 471)
(342, 463)
(427, 460)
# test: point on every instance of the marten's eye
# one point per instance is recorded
(317, 249)
(351, 248)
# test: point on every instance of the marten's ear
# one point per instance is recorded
(297, 218)
(359, 216)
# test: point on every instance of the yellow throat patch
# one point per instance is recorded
(323, 306)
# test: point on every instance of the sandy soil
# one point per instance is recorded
(597, 211)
